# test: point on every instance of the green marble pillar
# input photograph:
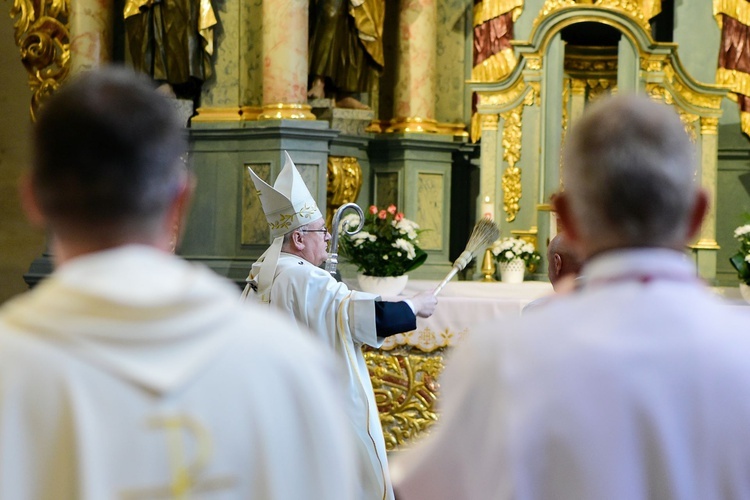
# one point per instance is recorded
(226, 228)
(413, 171)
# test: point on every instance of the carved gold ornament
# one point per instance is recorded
(43, 39)
(640, 10)
(344, 183)
(511, 142)
(406, 391)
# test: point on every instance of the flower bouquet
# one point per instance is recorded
(514, 255)
(741, 260)
(386, 245)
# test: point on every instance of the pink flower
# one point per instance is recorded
(382, 214)
(391, 209)
(398, 216)
(373, 209)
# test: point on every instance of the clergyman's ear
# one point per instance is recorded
(297, 240)
(29, 201)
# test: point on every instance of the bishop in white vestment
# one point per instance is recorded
(288, 278)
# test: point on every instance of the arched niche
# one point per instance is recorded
(562, 66)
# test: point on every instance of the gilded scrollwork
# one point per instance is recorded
(534, 63)
(511, 179)
(630, 7)
(709, 125)
(489, 122)
(344, 183)
(406, 389)
(551, 6)
(43, 39)
(503, 97)
(689, 121)
(640, 10)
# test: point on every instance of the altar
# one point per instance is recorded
(405, 370)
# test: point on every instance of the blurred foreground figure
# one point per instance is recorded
(130, 373)
(632, 387)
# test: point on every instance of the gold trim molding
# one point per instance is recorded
(639, 10)
(211, 115)
(705, 244)
(282, 111)
(490, 9)
(737, 9)
(42, 36)
(413, 124)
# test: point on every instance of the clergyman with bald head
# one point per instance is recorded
(626, 388)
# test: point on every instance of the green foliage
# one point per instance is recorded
(386, 245)
(741, 260)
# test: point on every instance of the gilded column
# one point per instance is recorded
(285, 41)
(91, 35)
(706, 247)
(577, 100)
(414, 100)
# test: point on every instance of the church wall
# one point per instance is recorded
(697, 53)
(19, 242)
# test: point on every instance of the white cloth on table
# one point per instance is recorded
(635, 386)
(133, 374)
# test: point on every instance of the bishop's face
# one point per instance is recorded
(315, 237)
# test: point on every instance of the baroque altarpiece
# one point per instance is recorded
(468, 113)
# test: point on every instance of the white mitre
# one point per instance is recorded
(287, 205)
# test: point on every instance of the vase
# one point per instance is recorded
(513, 271)
(382, 285)
(745, 292)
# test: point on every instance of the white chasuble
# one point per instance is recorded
(345, 321)
(133, 374)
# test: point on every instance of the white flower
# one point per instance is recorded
(407, 227)
(362, 236)
(350, 221)
(385, 257)
(407, 247)
(747, 258)
(742, 232)
(509, 254)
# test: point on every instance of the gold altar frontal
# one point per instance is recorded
(405, 371)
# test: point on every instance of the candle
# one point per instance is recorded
(488, 209)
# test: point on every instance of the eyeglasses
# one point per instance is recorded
(323, 230)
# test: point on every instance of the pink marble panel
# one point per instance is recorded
(285, 32)
(415, 84)
(90, 34)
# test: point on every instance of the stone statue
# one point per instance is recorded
(346, 48)
(172, 41)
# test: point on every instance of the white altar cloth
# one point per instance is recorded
(462, 305)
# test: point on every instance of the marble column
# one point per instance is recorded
(414, 99)
(285, 32)
(90, 34)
